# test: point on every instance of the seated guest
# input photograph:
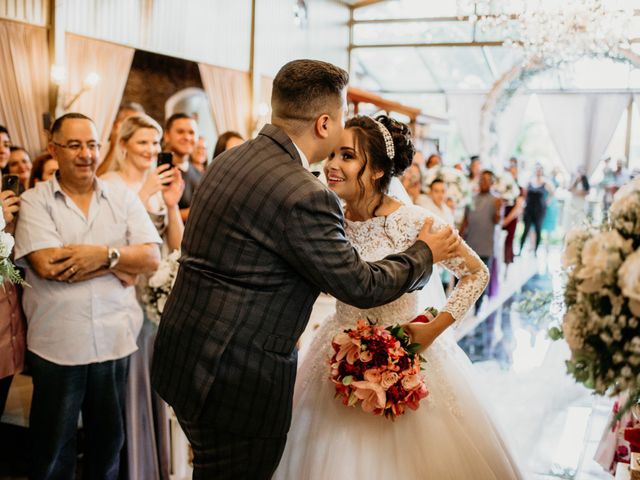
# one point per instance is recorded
(436, 201)
(180, 135)
(227, 141)
(159, 190)
(19, 164)
(199, 157)
(12, 325)
(5, 146)
(44, 167)
(125, 110)
(83, 242)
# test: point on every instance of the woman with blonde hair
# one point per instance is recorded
(159, 189)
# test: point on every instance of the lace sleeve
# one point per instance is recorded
(472, 273)
(473, 276)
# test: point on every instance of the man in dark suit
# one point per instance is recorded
(264, 238)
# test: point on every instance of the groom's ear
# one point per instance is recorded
(322, 125)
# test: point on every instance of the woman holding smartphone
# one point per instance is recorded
(159, 188)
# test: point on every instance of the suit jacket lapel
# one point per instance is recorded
(277, 135)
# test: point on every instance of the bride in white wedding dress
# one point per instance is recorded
(450, 436)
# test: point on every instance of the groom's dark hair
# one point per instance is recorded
(305, 89)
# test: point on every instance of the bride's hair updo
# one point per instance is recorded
(370, 144)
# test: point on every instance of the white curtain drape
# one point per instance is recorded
(465, 109)
(229, 93)
(112, 63)
(24, 83)
(509, 125)
(581, 125)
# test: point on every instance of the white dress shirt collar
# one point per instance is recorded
(303, 157)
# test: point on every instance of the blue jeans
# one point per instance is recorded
(60, 393)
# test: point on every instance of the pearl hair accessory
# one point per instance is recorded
(388, 140)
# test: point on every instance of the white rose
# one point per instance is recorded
(601, 256)
(161, 276)
(162, 300)
(629, 281)
(573, 247)
(6, 244)
(572, 332)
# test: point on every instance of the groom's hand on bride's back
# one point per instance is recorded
(443, 242)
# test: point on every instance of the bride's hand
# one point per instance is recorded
(426, 333)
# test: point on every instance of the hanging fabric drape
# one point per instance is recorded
(112, 64)
(229, 96)
(509, 126)
(581, 126)
(466, 109)
(24, 83)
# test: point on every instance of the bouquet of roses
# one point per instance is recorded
(601, 324)
(159, 286)
(378, 368)
(8, 270)
(506, 187)
(458, 185)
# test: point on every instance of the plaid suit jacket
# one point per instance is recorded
(263, 239)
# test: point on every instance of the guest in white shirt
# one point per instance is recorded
(435, 201)
(84, 242)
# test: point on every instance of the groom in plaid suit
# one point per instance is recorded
(264, 238)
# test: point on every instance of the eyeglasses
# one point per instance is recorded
(76, 147)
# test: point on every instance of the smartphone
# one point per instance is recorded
(165, 158)
(11, 182)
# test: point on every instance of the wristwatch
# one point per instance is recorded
(113, 254)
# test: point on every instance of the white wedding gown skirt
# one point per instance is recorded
(450, 437)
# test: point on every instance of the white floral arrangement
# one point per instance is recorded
(506, 187)
(8, 270)
(601, 323)
(157, 290)
(458, 185)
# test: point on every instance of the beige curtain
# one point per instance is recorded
(24, 83)
(112, 63)
(228, 91)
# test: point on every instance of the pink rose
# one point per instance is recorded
(388, 379)
(371, 394)
(372, 375)
(411, 382)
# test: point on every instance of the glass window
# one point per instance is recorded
(408, 9)
(412, 32)
(458, 68)
(396, 69)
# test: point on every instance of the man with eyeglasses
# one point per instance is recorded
(82, 243)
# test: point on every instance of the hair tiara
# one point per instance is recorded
(388, 140)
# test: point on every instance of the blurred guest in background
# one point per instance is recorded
(44, 167)
(435, 201)
(199, 157)
(535, 207)
(125, 110)
(480, 220)
(511, 216)
(19, 164)
(5, 146)
(180, 134)
(226, 141)
(434, 160)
